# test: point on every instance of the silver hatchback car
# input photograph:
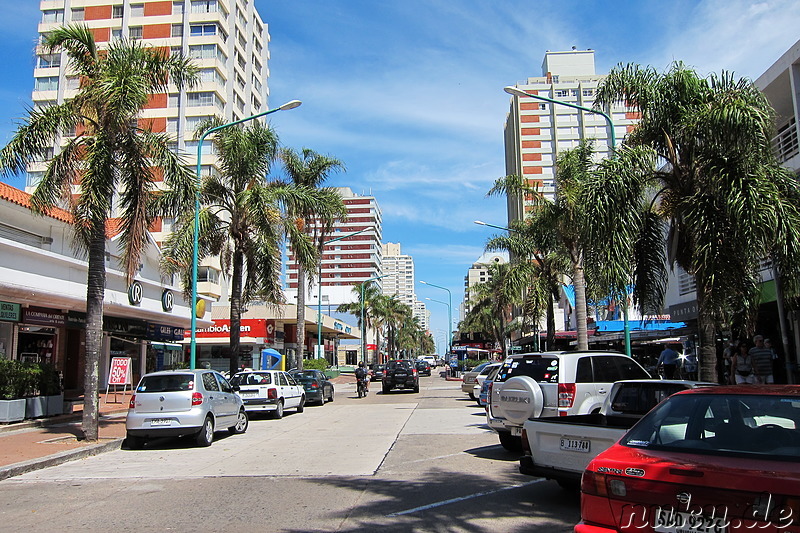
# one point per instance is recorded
(183, 402)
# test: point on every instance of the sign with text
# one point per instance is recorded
(43, 317)
(9, 311)
(120, 371)
(248, 327)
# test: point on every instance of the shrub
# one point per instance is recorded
(315, 364)
(22, 380)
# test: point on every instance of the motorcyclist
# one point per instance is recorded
(362, 375)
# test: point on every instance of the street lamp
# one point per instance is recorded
(516, 91)
(449, 312)
(195, 251)
(363, 323)
(319, 301)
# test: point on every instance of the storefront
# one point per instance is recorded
(213, 348)
(38, 335)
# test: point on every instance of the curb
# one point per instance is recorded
(17, 469)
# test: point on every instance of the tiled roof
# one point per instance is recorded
(19, 197)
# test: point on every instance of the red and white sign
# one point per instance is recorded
(248, 327)
(120, 372)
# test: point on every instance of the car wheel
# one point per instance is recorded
(241, 423)
(302, 406)
(278, 413)
(133, 442)
(416, 388)
(510, 442)
(330, 398)
(472, 397)
(205, 436)
(386, 389)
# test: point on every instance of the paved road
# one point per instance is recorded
(395, 462)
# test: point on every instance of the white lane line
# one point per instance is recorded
(462, 498)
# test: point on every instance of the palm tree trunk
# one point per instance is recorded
(707, 351)
(551, 324)
(236, 309)
(579, 282)
(95, 293)
(301, 315)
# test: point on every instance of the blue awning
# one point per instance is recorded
(610, 326)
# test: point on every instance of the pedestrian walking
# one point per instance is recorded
(668, 361)
(728, 354)
(762, 360)
(742, 367)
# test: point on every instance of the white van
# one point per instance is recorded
(430, 359)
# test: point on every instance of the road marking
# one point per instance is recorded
(462, 498)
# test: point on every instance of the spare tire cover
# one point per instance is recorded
(520, 399)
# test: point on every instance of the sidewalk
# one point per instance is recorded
(40, 443)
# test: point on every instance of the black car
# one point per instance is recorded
(423, 367)
(377, 372)
(316, 384)
(400, 374)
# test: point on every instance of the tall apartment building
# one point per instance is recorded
(226, 38)
(399, 281)
(537, 131)
(479, 273)
(349, 261)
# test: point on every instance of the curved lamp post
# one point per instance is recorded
(319, 300)
(516, 91)
(449, 310)
(363, 323)
(449, 313)
(195, 251)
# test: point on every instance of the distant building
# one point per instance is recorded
(399, 281)
(536, 132)
(479, 273)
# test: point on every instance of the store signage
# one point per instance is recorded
(120, 372)
(164, 333)
(121, 326)
(9, 312)
(684, 311)
(43, 317)
(135, 293)
(167, 301)
(248, 327)
(76, 320)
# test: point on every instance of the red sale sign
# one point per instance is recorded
(120, 372)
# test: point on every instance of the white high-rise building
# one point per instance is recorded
(399, 281)
(479, 273)
(227, 40)
(537, 131)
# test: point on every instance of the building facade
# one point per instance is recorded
(479, 273)
(228, 41)
(399, 281)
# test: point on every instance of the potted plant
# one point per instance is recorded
(30, 375)
(12, 400)
(50, 388)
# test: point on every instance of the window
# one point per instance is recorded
(211, 75)
(116, 34)
(588, 92)
(204, 6)
(137, 10)
(116, 12)
(77, 14)
(193, 122)
(207, 274)
(135, 32)
(256, 65)
(202, 99)
(53, 15)
(173, 100)
(562, 93)
(206, 51)
(210, 381)
(199, 30)
(177, 30)
(240, 82)
(177, 8)
(239, 103)
(49, 83)
(49, 60)
(172, 125)
(73, 83)
(42, 104)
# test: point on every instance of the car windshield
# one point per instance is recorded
(722, 424)
(166, 383)
(397, 365)
(304, 374)
(252, 378)
(543, 369)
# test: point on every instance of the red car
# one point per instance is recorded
(715, 460)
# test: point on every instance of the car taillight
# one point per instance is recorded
(314, 385)
(132, 404)
(526, 446)
(566, 394)
(414, 371)
(593, 483)
(197, 398)
(272, 394)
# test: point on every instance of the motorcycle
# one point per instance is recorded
(361, 387)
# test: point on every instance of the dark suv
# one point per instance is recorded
(400, 374)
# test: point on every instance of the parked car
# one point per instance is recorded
(560, 447)
(486, 386)
(553, 384)
(423, 367)
(377, 372)
(269, 391)
(183, 402)
(400, 374)
(468, 380)
(431, 359)
(316, 384)
(717, 459)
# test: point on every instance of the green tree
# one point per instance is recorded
(492, 302)
(394, 315)
(243, 220)
(311, 169)
(719, 201)
(371, 302)
(116, 158)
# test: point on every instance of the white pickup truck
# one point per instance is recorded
(560, 447)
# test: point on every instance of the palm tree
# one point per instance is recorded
(243, 220)
(369, 305)
(393, 313)
(720, 201)
(311, 169)
(492, 302)
(117, 160)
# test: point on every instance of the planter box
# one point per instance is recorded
(35, 407)
(12, 410)
(55, 405)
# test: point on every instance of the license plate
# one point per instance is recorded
(516, 431)
(671, 521)
(161, 422)
(575, 445)
(248, 394)
(401, 375)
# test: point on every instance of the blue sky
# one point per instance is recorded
(409, 94)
